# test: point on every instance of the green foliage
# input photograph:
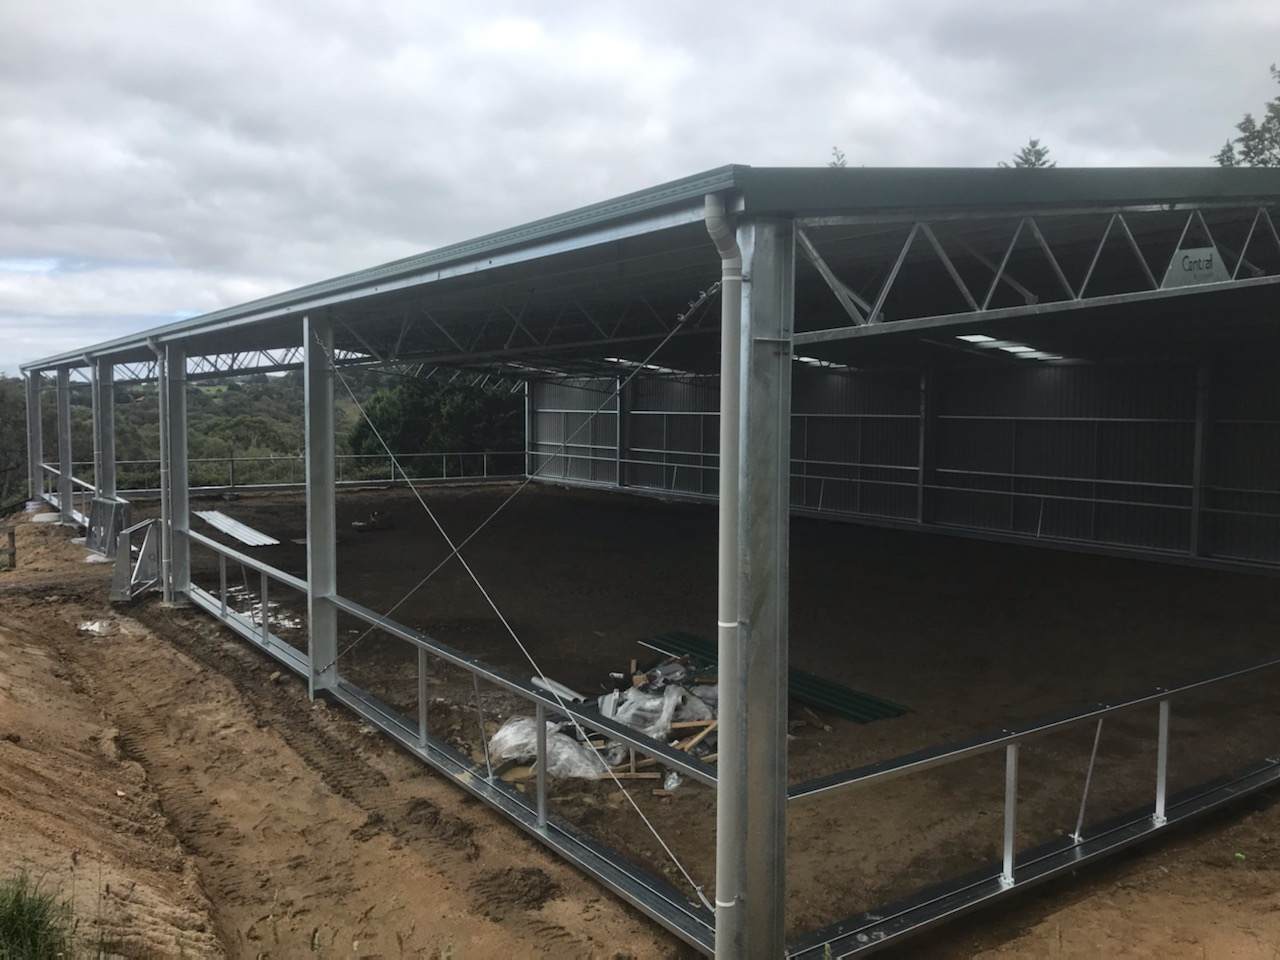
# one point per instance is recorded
(259, 417)
(416, 416)
(1258, 144)
(838, 159)
(13, 441)
(35, 923)
(1033, 156)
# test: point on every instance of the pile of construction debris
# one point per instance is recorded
(670, 701)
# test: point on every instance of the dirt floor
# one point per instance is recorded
(257, 785)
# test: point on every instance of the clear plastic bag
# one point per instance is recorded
(517, 739)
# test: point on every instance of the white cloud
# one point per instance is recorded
(167, 159)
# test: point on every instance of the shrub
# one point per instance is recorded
(35, 923)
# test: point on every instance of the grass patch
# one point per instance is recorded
(35, 923)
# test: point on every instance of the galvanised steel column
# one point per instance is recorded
(175, 379)
(620, 432)
(924, 452)
(322, 549)
(1204, 387)
(758, 306)
(64, 446)
(104, 429)
(35, 436)
(528, 429)
(166, 539)
(764, 507)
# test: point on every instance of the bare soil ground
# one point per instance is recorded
(969, 635)
(253, 823)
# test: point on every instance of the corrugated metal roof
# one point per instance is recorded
(234, 528)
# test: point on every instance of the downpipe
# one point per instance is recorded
(731, 788)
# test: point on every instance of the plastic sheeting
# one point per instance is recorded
(517, 739)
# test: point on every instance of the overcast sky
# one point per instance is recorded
(159, 160)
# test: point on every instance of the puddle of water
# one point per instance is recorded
(278, 618)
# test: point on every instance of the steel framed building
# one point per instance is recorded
(1076, 358)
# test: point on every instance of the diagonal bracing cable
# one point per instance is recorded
(701, 300)
(455, 549)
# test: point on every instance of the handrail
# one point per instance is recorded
(288, 579)
(341, 456)
(950, 753)
(677, 759)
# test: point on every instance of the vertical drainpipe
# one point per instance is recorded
(731, 790)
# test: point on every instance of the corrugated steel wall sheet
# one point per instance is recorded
(1098, 454)
(673, 435)
(855, 442)
(1242, 475)
(570, 441)
(1091, 454)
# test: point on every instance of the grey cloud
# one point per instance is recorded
(185, 157)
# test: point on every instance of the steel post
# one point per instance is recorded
(175, 378)
(104, 428)
(764, 492)
(65, 488)
(322, 540)
(528, 429)
(924, 453)
(540, 718)
(424, 703)
(1159, 818)
(166, 539)
(35, 436)
(222, 585)
(263, 589)
(620, 433)
(1010, 813)
(1204, 386)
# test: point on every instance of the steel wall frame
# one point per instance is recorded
(320, 667)
(761, 522)
(835, 478)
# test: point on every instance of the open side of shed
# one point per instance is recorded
(1076, 358)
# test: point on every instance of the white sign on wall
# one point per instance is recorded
(1194, 265)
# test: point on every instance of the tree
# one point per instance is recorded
(431, 416)
(838, 159)
(13, 440)
(1033, 156)
(1258, 144)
